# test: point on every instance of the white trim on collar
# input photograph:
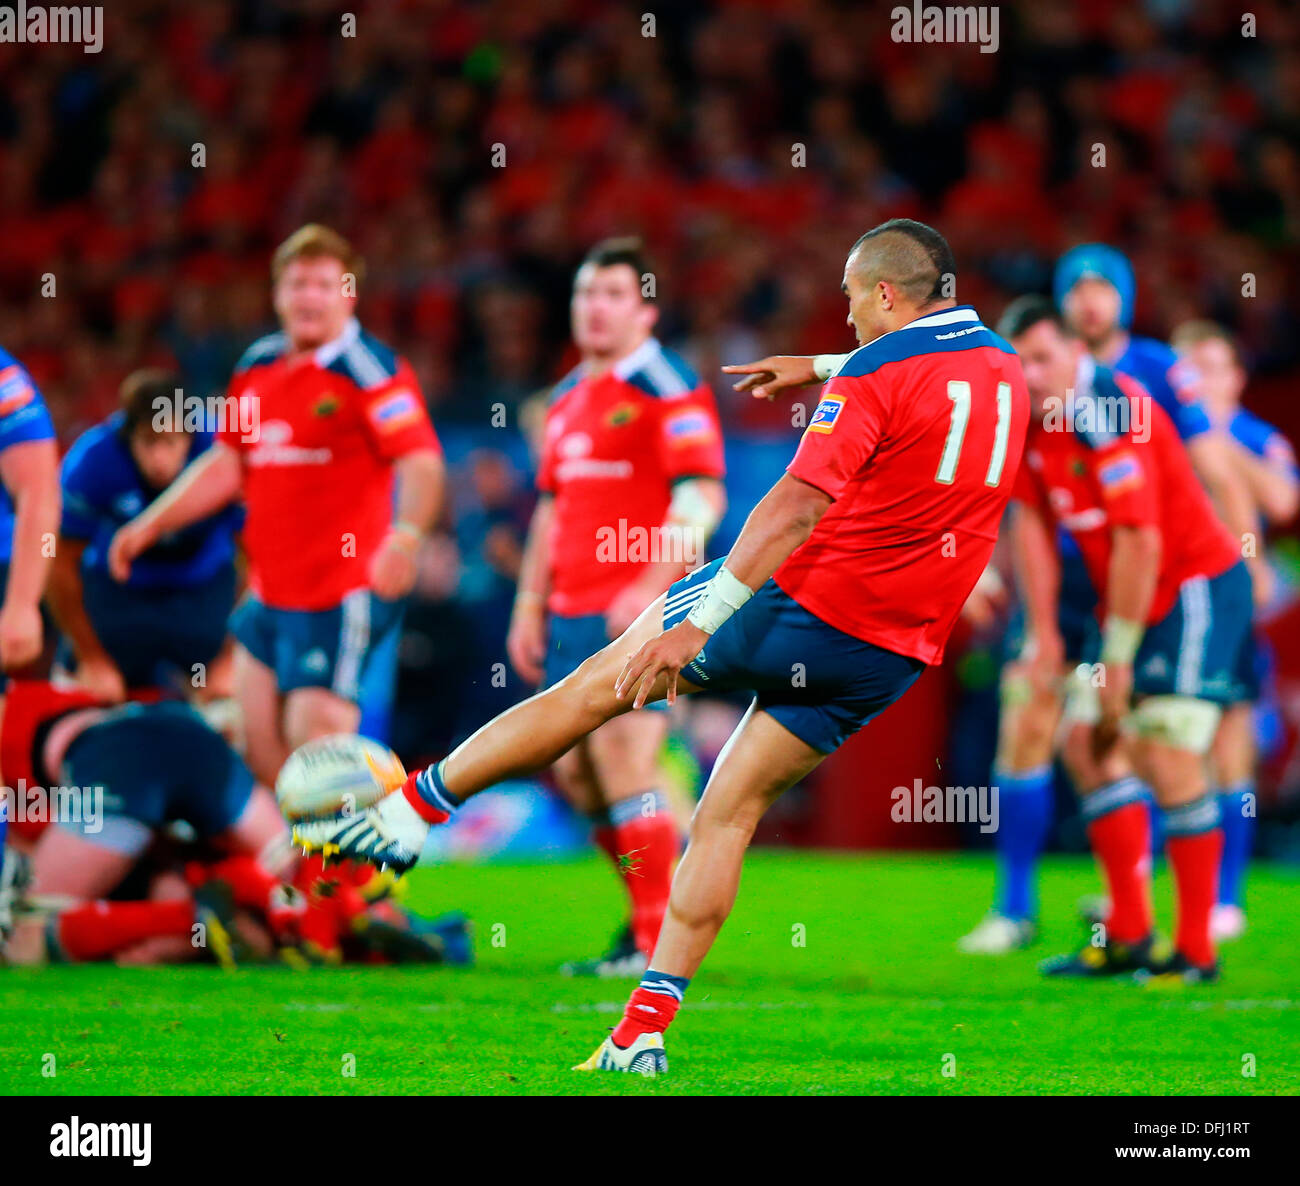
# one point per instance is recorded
(629, 364)
(326, 354)
(945, 317)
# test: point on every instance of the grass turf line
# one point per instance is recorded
(872, 1002)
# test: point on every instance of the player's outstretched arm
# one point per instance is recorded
(769, 376)
(205, 486)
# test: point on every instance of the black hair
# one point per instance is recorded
(912, 256)
(1027, 311)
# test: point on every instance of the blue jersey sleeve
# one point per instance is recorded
(23, 414)
(1171, 383)
(1262, 439)
(79, 479)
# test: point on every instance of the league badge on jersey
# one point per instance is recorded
(827, 413)
(327, 405)
(621, 415)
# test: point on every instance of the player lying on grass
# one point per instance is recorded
(1175, 605)
(123, 772)
(134, 770)
(844, 583)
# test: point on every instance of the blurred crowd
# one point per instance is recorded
(474, 150)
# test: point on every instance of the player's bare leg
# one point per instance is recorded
(531, 735)
(762, 760)
(317, 712)
(575, 776)
(260, 707)
(523, 740)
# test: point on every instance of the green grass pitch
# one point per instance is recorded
(835, 974)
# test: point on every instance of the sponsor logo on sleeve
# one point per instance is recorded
(395, 411)
(827, 413)
(688, 426)
(1120, 473)
(16, 390)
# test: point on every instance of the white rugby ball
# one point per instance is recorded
(340, 774)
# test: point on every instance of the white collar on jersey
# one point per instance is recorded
(955, 316)
(327, 353)
(944, 317)
(1084, 375)
(629, 364)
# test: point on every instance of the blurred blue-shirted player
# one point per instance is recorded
(1095, 289)
(29, 518)
(170, 615)
(1268, 464)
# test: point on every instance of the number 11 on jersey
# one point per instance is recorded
(959, 394)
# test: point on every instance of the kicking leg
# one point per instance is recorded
(531, 735)
(521, 741)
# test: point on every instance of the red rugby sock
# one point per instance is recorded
(1195, 864)
(1121, 840)
(99, 929)
(645, 851)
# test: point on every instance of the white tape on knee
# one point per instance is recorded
(1082, 699)
(1183, 722)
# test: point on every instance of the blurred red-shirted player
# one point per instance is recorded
(630, 481)
(1175, 603)
(328, 418)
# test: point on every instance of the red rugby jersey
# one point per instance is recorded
(614, 445)
(318, 469)
(1092, 479)
(25, 706)
(917, 438)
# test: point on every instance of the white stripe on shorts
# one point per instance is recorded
(1194, 595)
(354, 639)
